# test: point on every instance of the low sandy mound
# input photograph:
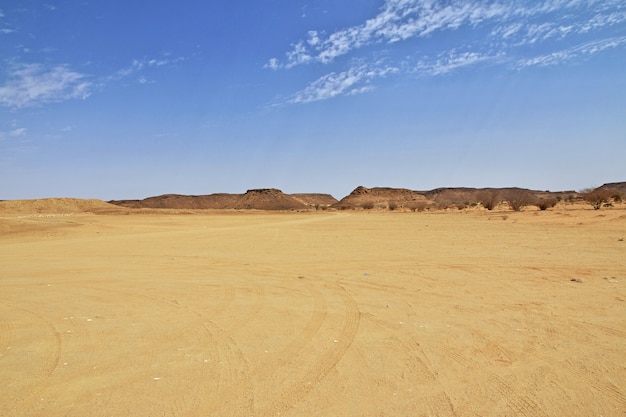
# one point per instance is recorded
(381, 197)
(55, 206)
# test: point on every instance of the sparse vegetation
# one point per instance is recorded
(546, 203)
(368, 205)
(489, 199)
(421, 206)
(616, 196)
(393, 205)
(597, 197)
(518, 199)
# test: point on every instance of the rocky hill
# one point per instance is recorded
(361, 197)
(273, 199)
(380, 197)
(620, 187)
(472, 195)
(256, 199)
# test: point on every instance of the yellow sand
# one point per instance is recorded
(470, 313)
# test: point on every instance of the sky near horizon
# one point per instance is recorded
(120, 99)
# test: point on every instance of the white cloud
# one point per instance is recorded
(601, 20)
(139, 64)
(35, 84)
(272, 64)
(451, 60)
(355, 80)
(5, 30)
(18, 132)
(15, 132)
(586, 49)
(398, 20)
(525, 33)
(404, 19)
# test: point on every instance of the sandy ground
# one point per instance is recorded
(470, 313)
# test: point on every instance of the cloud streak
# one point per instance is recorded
(355, 80)
(515, 32)
(35, 84)
(30, 85)
(576, 52)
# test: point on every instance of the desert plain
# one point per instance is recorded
(321, 313)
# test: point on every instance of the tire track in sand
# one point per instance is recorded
(233, 369)
(292, 395)
(225, 403)
(606, 388)
(214, 369)
(498, 388)
(45, 368)
(6, 333)
(440, 405)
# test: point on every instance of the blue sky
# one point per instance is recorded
(121, 99)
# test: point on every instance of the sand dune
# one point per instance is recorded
(350, 313)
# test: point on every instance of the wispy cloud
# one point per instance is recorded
(355, 80)
(452, 60)
(140, 64)
(398, 20)
(29, 85)
(16, 132)
(4, 29)
(526, 33)
(20, 131)
(586, 49)
(36, 84)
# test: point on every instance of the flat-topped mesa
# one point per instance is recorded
(264, 191)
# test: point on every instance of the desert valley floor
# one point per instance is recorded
(329, 313)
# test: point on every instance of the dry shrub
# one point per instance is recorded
(597, 198)
(368, 205)
(421, 206)
(616, 196)
(393, 205)
(518, 199)
(489, 198)
(546, 203)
